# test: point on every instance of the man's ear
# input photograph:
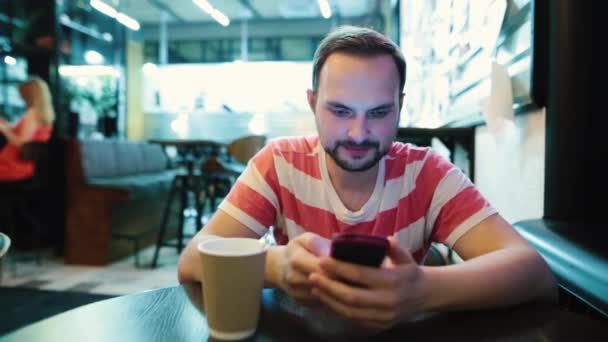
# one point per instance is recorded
(312, 99)
(401, 98)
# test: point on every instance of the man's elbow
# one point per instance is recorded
(185, 270)
(182, 276)
(551, 293)
(548, 289)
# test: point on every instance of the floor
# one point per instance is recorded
(22, 306)
(30, 292)
(119, 278)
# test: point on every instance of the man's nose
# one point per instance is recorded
(358, 129)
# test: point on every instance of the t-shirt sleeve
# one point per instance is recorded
(456, 205)
(253, 198)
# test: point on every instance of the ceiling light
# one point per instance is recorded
(204, 5)
(107, 37)
(128, 21)
(104, 8)
(112, 12)
(220, 18)
(93, 57)
(325, 9)
(213, 12)
(10, 60)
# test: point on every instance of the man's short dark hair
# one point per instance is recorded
(357, 41)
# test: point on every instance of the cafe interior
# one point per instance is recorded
(160, 104)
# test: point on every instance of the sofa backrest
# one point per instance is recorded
(115, 158)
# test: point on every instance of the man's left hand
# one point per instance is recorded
(382, 297)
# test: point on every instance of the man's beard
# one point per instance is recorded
(347, 166)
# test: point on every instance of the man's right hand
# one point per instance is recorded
(293, 263)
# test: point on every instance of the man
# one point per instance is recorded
(353, 177)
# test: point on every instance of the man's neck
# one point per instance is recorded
(353, 188)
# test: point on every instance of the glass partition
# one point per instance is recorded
(227, 100)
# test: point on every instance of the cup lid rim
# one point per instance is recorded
(202, 249)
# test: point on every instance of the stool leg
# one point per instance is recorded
(37, 231)
(197, 203)
(165, 220)
(12, 233)
(213, 192)
(180, 222)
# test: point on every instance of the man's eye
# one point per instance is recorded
(378, 113)
(341, 112)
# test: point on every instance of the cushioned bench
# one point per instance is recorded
(116, 194)
(578, 259)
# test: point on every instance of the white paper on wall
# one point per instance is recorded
(498, 108)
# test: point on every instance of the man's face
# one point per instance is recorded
(356, 108)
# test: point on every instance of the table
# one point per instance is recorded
(175, 314)
(191, 152)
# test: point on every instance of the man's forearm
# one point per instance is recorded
(190, 267)
(504, 277)
(272, 275)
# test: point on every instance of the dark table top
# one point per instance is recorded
(175, 314)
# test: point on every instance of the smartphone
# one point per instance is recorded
(367, 250)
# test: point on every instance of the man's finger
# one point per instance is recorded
(305, 262)
(316, 245)
(345, 310)
(366, 276)
(398, 254)
(302, 295)
(349, 295)
(295, 279)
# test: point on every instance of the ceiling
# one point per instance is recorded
(185, 11)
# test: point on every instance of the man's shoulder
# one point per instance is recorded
(408, 151)
(294, 145)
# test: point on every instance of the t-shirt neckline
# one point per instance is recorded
(341, 211)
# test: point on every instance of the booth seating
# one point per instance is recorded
(578, 260)
(115, 194)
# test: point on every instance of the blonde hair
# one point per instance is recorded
(36, 94)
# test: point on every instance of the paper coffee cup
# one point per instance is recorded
(233, 278)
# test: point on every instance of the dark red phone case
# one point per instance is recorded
(367, 250)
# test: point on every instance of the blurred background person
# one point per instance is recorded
(36, 124)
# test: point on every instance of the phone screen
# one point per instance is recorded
(367, 250)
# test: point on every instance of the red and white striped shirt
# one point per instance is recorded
(419, 196)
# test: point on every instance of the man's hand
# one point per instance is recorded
(296, 261)
(386, 295)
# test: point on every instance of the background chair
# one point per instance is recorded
(16, 199)
(220, 172)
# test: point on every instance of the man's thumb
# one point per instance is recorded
(318, 246)
(398, 254)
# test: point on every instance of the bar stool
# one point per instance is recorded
(219, 174)
(182, 186)
(15, 196)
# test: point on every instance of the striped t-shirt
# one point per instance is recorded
(419, 196)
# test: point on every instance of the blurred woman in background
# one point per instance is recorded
(35, 125)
